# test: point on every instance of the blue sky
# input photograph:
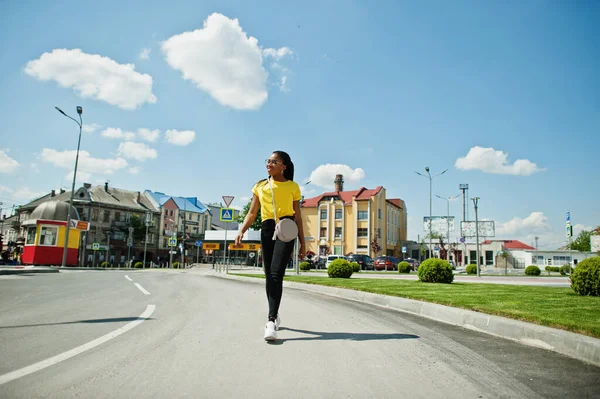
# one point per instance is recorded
(375, 91)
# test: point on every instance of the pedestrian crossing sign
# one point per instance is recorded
(226, 215)
(172, 242)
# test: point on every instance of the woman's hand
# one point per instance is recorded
(238, 239)
(301, 251)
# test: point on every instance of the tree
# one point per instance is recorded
(582, 242)
(504, 254)
(375, 247)
(257, 223)
(139, 230)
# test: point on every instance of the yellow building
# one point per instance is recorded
(350, 222)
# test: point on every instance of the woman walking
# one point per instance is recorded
(279, 199)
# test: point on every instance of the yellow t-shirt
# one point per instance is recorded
(285, 194)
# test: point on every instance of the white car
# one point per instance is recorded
(331, 258)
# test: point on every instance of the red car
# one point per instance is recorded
(386, 263)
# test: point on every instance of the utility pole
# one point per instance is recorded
(536, 242)
(148, 222)
(475, 202)
(430, 194)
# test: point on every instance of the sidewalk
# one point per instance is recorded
(577, 346)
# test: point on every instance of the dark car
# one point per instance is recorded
(365, 261)
(414, 264)
(386, 263)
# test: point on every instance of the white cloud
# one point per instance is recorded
(282, 84)
(137, 151)
(578, 228)
(145, 54)
(34, 166)
(87, 163)
(81, 176)
(94, 76)
(7, 164)
(180, 137)
(135, 170)
(492, 161)
(116, 133)
(24, 194)
(324, 175)
(91, 128)
(277, 54)
(223, 61)
(536, 222)
(148, 135)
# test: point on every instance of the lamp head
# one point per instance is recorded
(427, 169)
(79, 110)
(60, 110)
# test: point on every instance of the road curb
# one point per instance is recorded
(26, 271)
(577, 346)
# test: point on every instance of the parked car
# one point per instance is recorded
(386, 263)
(414, 264)
(365, 261)
(331, 258)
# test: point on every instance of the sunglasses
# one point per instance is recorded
(272, 162)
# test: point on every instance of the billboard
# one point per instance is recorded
(486, 229)
(439, 224)
(595, 243)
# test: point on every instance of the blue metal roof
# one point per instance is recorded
(188, 204)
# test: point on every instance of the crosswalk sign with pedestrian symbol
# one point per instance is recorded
(226, 215)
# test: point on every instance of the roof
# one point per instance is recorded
(510, 244)
(346, 196)
(191, 204)
(397, 202)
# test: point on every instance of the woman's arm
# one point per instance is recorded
(249, 219)
(298, 217)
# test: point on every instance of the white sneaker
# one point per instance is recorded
(270, 333)
(277, 322)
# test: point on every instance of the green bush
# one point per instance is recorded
(435, 270)
(175, 265)
(551, 269)
(532, 271)
(339, 268)
(304, 266)
(104, 264)
(585, 279)
(138, 265)
(565, 270)
(472, 269)
(355, 267)
(404, 267)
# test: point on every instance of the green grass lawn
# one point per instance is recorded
(548, 306)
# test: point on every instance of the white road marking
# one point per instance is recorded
(142, 289)
(128, 278)
(76, 351)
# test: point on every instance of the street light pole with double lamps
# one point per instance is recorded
(430, 187)
(448, 215)
(80, 123)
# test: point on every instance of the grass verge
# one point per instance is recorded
(547, 306)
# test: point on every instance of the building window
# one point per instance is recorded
(323, 214)
(117, 216)
(378, 233)
(338, 214)
(31, 235)
(94, 215)
(362, 232)
(338, 232)
(363, 215)
(323, 233)
(106, 216)
(197, 217)
(379, 213)
(127, 218)
(164, 242)
(48, 235)
(473, 256)
(489, 258)
(337, 250)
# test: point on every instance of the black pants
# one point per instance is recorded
(276, 256)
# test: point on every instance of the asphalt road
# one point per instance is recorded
(184, 334)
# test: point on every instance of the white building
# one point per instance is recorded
(542, 259)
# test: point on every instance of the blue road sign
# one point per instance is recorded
(226, 215)
(462, 240)
(172, 242)
(199, 243)
(568, 216)
(403, 250)
(436, 248)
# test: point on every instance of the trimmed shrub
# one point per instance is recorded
(175, 265)
(104, 264)
(585, 279)
(532, 271)
(339, 268)
(355, 267)
(404, 267)
(435, 270)
(565, 270)
(304, 266)
(138, 265)
(551, 269)
(472, 269)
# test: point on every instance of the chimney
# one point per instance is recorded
(138, 200)
(339, 183)
(87, 185)
(53, 193)
(106, 186)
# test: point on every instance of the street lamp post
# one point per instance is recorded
(80, 123)
(430, 188)
(475, 202)
(148, 222)
(448, 215)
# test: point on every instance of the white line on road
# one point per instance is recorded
(128, 278)
(76, 351)
(142, 289)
